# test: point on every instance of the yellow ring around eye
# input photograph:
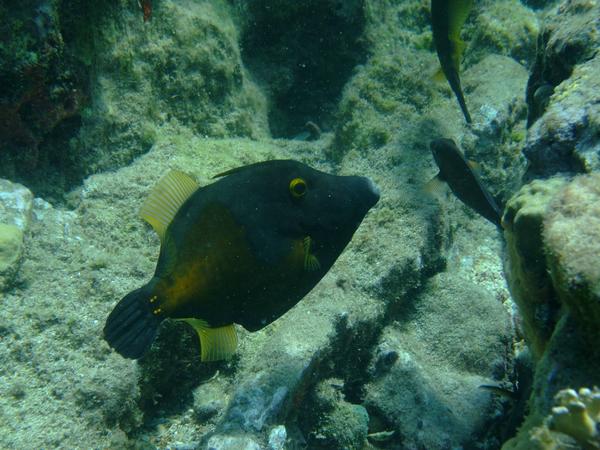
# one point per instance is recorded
(297, 187)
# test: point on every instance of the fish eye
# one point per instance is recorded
(297, 187)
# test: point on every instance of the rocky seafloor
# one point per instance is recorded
(428, 302)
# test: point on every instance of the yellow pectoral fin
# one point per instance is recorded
(311, 262)
(216, 344)
(439, 76)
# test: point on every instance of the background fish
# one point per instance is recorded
(463, 181)
(447, 19)
(243, 250)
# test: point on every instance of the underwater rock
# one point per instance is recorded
(42, 92)
(11, 252)
(554, 276)
(527, 275)
(334, 422)
(450, 339)
(255, 405)
(565, 139)
(222, 442)
(504, 28)
(563, 93)
(16, 204)
(277, 438)
(86, 88)
(572, 246)
(495, 97)
(302, 53)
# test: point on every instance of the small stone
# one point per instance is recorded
(206, 411)
(223, 442)
(16, 203)
(277, 438)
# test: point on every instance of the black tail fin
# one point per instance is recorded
(131, 327)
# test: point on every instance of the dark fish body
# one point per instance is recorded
(462, 180)
(243, 250)
(447, 18)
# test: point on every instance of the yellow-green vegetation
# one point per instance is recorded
(503, 27)
(527, 276)
(577, 414)
(572, 424)
(11, 252)
(572, 244)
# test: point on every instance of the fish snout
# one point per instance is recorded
(372, 192)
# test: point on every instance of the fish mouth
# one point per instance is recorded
(373, 191)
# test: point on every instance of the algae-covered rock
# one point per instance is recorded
(562, 93)
(572, 244)
(506, 28)
(496, 100)
(219, 442)
(42, 92)
(449, 340)
(93, 84)
(157, 89)
(11, 252)
(553, 265)
(335, 423)
(565, 139)
(16, 204)
(526, 272)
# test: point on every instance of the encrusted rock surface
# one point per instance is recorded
(563, 93)
(555, 284)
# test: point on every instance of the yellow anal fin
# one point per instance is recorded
(474, 165)
(311, 262)
(435, 187)
(216, 344)
(165, 200)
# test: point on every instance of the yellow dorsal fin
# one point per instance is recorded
(310, 261)
(165, 200)
(216, 344)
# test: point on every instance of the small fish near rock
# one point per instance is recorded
(447, 19)
(242, 250)
(464, 182)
